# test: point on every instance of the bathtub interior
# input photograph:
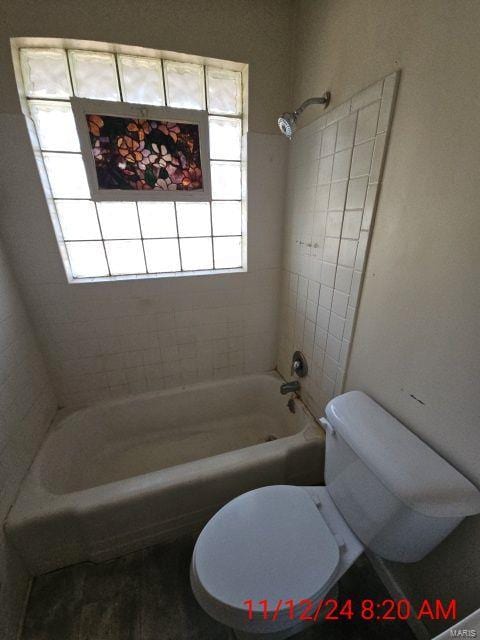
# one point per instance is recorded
(122, 439)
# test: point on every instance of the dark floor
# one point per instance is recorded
(147, 596)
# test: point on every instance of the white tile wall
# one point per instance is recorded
(334, 172)
(103, 340)
(27, 405)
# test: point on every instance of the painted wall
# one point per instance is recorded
(104, 340)
(27, 405)
(229, 30)
(417, 331)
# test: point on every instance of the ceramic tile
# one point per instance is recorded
(339, 303)
(347, 252)
(341, 164)
(361, 251)
(338, 113)
(378, 154)
(338, 192)
(369, 206)
(329, 140)
(357, 189)
(336, 325)
(330, 367)
(346, 132)
(334, 346)
(388, 94)
(367, 123)
(323, 318)
(327, 276)
(330, 249)
(27, 405)
(321, 196)
(313, 290)
(325, 299)
(334, 224)
(362, 159)
(343, 279)
(325, 170)
(352, 222)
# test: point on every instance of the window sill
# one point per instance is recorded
(156, 276)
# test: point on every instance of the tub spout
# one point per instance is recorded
(290, 387)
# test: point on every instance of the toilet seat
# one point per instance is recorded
(269, 544)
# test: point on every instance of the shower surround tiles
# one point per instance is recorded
(27, 405)
(334, 175)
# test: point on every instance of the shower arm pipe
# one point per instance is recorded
(320, 100)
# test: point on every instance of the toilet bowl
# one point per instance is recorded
(268, 551)
(273, 544)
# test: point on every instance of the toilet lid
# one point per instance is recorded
(268, 544)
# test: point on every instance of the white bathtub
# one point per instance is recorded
(129, 473)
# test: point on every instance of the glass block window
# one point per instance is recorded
(105, 240)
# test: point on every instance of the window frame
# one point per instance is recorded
(162, 55)
(82, 106)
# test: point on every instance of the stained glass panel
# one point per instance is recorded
(133, 154)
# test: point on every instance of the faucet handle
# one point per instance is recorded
(299, 365)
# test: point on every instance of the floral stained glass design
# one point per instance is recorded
(135, 154)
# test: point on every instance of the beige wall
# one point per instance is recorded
(417, 331)
(251, 31)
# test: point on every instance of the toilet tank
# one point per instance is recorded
(397, 494)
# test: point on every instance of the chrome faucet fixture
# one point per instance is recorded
(299, 365)
(290, 387)
(288, 121)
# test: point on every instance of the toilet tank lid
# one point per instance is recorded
(409, 468)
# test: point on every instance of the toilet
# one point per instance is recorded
(270, 548)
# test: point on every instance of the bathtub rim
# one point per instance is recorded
(63, 414)
(34, 497)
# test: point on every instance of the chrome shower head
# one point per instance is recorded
(288, 121)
